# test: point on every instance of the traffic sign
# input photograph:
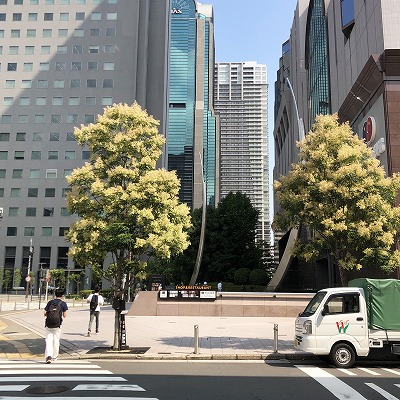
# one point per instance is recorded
(28, 279)
(47, 279)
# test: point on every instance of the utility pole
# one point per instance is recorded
(28, 277)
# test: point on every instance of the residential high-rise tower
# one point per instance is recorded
(241, 100)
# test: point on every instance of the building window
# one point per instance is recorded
(34, 173)
(76, 65)
(30, 212)
(70, 155)
(6, 119)
(31, 33)
(2, 173)
(15, 193)
(20, 137)
(75, 83)
(111, 32)
(73, 101)
(29, 231)
(33, 192)
(109, 48)
(95, 32)
(96, 16)
(50, 192)
(44, 257)
(47, 33)
(15, 33)
(63, 33)
(64, 212)
(72, 118)
(47, 231)
(54, 137)
(85, 155)
(8, 101)
(17, 173)
(3, 155)
(28, 67)
(48, 16)
(106, 101)
(17, 16)
(80, 16)
(13, 211)
(48, 211)
(90, 101)
(91, 83)
(77, 49)
(61, 66)
(36, 155)
(56, 119)
(53, 155)
(93, 49)
(108, 83)
(67, 172)
(44, 66)
(42, 84)
(37, 137)
(26, 84)
(61, 49)
(347, 13)
(57, 101)
(92, 66)
(39, 119)
(59, 84)
(4, 137)
(13, 50)
(23, 119)
(19, 155)
(89, 119)
(111, 16)
(51, 173)
(32, 17)
(109, 66)
(11, 231)
(44, 49)
(63, 230)
(11, 66)
(24, 101)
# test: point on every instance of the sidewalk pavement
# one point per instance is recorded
(151, 338)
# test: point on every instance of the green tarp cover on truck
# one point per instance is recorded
(383, 302)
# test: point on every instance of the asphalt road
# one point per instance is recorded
(275, 380)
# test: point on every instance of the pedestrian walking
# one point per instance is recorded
(54, 312)
(96, 300)
(219, 286)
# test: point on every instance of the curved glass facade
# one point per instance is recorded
(317, 61)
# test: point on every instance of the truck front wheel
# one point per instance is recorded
(342, 355)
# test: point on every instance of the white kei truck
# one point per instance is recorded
(344, 323)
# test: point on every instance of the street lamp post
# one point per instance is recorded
(28, 277)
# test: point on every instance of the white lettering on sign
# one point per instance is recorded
(176, 11)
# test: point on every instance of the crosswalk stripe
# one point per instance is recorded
(63, 379)
(337, 387)
(346, 371)
(382, 392)
(393, 371)
(72, 398)
(134, 388)
(368, 371)
(34, 362)
(42, 365)
(51, 371)
(12, 388)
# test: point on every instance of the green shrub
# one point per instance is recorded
(241, 276)
(258, 277)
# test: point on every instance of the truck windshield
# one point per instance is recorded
(313, 304)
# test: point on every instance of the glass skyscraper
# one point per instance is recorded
(192, 129)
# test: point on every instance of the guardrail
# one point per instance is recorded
(28, 304)
(267, 295)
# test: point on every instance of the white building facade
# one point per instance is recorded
(241, 100)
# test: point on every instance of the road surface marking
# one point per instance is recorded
(63, 379)
(13, 388)
(346, 371)
(42, 365)
(368, 371)
(73, 398)
(338, 388)
(51, 371)
(105, 387)
(393, 371)
(382, 392)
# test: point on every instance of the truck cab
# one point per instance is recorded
(334, 324)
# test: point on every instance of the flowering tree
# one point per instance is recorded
(128, 209)
(339, 191)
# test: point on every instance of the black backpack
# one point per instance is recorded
(54, 314)
(93, 302)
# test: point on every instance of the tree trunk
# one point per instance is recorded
(117, 328)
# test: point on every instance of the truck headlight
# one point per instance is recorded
(307, 327)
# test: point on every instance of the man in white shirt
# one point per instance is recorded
(96, 300)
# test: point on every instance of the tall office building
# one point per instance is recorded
(337, 63)
(193, 127)
(241, 100)
(62, 62)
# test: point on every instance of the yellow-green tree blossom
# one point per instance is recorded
(128, 209)
(339, 191)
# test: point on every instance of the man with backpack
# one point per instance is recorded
(96, 300)
(54, 312)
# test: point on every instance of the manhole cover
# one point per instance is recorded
(47, 389)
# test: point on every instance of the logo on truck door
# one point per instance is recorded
(342, 326)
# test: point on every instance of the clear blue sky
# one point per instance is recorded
(253, 30)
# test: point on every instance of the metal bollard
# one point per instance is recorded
(275, 338)
(196, 339)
